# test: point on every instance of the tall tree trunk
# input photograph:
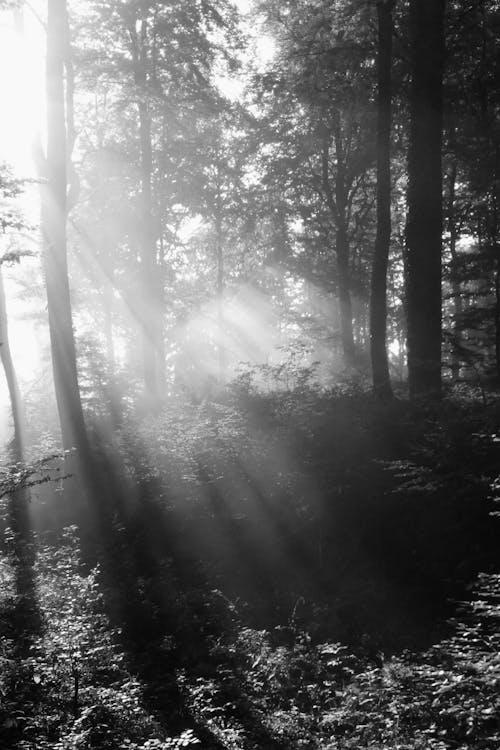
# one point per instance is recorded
(455, 283)
(344, 292)
(19, 501)
(107, 311)
(10, 376)
(497, 315)
(424, 225)
(219, 252)
(337, 204)
(495, 245)
(343, 252)
(54, 236)
(378, 298)
(151, 303)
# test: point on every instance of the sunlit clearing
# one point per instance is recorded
(21, 89)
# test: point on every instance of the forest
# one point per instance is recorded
(250, 388)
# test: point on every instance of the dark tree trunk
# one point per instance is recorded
(455, 283)
(343, 253)
(345, 303)
(424, 225)
(378, 298)
(337, 204)
(497, 314)
(495, 245)
(54, 209)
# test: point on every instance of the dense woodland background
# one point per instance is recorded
(249, 491)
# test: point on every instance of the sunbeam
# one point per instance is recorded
(250, 333)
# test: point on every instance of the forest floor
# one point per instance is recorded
(304, 572)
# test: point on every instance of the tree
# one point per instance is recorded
(472, 196)
(11, 378)
(19, 497)
(378, 299)
(322, 87)
(54, 212)
(220, 158)
(424, 223)
(152, 282)
(10, 188)
(153, 65)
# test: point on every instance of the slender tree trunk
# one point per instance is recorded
(378, 298)
(343, 253)
(455, 283)
(219, 251)
(495, 244)
(497, 316)
(424, 225)
(151, 303)
(345, 303)
(10, 376)
(360, 325)
(402, 349)
(337, 204)
(107, 310)
(54, 235)
(19, 501)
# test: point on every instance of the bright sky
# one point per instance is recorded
(22, 67)
(21, 89)
(262, 50)
(21, 94)
(244, 5)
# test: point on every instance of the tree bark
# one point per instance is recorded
(424, 224)
(10, 376)
(151, 304)
(345, 303)
(343, 252)
(378, 298)
(455, 283)
(337, 204)
(219, 252)
(496, 315)
(54, 210)
(495, 246)
(19, 501)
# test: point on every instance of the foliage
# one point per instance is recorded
(72, 688)
(261, 650)
(16, 477)
(321, 695)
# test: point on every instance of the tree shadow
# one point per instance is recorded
(21, 622)
(147, 600)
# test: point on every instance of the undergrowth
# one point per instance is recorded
(72, 689)
(279, 548)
